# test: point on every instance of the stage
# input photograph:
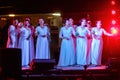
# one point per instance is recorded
(75, 72)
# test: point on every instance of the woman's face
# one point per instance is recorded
(71, 21)
(20, 24)
(26, 23)
(67, 23)
(83, 22)
(98, 24)
(41, 21)
(15, 22)
(88, 23)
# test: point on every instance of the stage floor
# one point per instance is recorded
(75, 67)
(70, 72)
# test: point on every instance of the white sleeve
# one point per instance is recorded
(93, 32)
(11, 29)
(48, 31)
(36, 30)
(60, 33)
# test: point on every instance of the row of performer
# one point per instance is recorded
(81, 45)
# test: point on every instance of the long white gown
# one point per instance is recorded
(97, 45)
(24, 45)
(42, 45)
(12, 37)
(67, 55)
(81, 45)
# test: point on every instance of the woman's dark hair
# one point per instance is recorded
(81, 20)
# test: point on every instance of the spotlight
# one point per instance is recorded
(113, 12)
(113, 21)
(114, 30)
(113, 2)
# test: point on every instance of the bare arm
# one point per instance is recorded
(106, 33)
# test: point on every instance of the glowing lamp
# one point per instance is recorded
(114, 30)
(11, 15)
(56, 14)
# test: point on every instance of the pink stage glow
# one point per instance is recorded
(113, 22)
(113, 2)
(113, 12)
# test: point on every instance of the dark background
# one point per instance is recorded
(46, 6)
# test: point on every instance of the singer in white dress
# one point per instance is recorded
(42, 45)
(67, 55)
(97, 43)
(24, 43)
(12, 35)
(31, 40)
(81, 45)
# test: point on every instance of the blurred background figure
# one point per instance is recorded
(12, 35)
(4, 34)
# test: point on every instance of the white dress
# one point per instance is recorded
(42, 45)
(81, 45)
(24, 45)
(97, 45)
(67, 55)
(12, 37)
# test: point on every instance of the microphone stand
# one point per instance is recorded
(87, 75)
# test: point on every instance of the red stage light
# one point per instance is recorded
(114, 30)
(113, 12)
(113, 2)
(113, 22)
